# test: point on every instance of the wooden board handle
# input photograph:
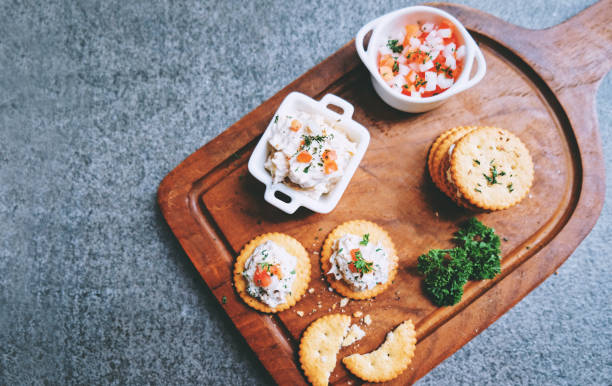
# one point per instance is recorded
(581, 45)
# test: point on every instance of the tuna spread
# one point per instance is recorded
(307, 152)
(360, 263)
(270, 272)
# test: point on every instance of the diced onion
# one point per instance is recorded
(424, 67)
(384, 50)
(444, 82)
(444, 33)
(460, 52)
(432, 80)
(427, 27)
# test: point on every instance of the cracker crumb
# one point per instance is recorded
(330, 289)
(316, 252)
(355, 333)
(311, 290)
(358, 314)
(334, 306)
(367, 320)
(300, 313)
(344, 302)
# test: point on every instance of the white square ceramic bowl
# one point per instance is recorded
(354, 131)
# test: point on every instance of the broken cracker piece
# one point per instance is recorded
(320, 344)
(387, 361)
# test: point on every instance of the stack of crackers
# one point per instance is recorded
(481, 167)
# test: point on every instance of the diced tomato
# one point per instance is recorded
(445, 24)
(295, 125)
(304, 157)
(352, 263)
(330, 167)
(425, 94)
(329, 155)
(262, 278)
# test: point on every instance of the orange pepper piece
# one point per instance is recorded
(295, 125)
(330, 155)
(330, 167)
(304, 157)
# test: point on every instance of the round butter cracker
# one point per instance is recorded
(358, 227)
(431, 156)
(302, 271)
(492, 168)
(389, 360)
(319, 346)
(442, 154)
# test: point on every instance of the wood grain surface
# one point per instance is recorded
(537, 85)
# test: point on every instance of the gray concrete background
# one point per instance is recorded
(100, 100)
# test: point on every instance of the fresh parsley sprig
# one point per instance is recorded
(476, 257)
(483, 248)
(365, 240)
(447, 271)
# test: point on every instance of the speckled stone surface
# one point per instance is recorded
(99, 100)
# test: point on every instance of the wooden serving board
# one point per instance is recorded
(539, 85)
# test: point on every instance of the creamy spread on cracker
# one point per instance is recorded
(308, 152)
(362, 264)
(270, 272)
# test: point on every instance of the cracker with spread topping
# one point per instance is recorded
(319, 346)
(442, 160)
(375, 234)
(389, 360)
(432, 155)
(492, 168)
(302, 271)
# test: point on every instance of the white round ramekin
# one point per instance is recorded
(294, 198)
(382, 26)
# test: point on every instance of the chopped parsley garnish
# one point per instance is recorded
(395, 66)
(477, 190)
(365, 240)
(476, 257)
(292, 272)
(478, 162)
(492, 180)
(307, 167)
(392, 44)
(276, 119)
(378, 249)
(339, 250)
(265, 266)
(420, 82)
(308, 139)
(224, 299)
(510, 188)
(361, 264)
